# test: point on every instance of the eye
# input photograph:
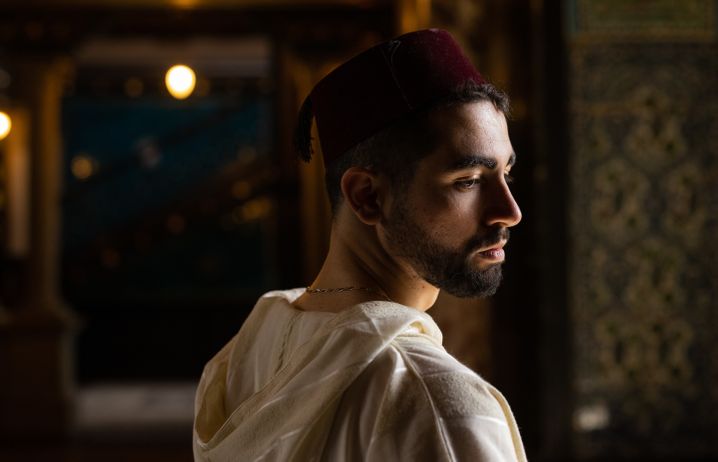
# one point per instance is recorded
(466, 184)
(508, 178)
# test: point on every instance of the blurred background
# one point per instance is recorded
(142, 214)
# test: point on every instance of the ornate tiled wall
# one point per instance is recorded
(643, 213)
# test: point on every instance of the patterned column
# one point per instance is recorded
(643, 216)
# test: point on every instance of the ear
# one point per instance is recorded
(362, 193)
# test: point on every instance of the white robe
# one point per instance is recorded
(369, 383)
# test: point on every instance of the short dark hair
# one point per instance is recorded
(396, 150)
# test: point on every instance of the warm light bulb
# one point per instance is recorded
(5, 125)
(180, 81)
(83, 167)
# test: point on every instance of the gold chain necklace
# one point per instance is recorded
(346, 289)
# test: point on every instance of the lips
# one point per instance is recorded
(495, 252)
(489, 247)
(493, 246)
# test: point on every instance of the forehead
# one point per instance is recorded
(467, 130)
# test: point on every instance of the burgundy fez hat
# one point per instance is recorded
(379, 86)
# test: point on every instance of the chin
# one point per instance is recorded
(482, 292)
(479, 283)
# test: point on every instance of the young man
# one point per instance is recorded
(418, 157)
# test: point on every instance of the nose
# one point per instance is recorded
(501, 208)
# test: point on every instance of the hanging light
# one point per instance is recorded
(5, 125)
(180, 81)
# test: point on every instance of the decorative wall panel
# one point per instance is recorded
(612, 19)
(644, 219)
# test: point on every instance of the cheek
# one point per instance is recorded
(451, 217)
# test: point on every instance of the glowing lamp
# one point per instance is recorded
(5, 125)
(83, 167)
(180, 81)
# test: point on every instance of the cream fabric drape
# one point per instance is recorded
(369, 383)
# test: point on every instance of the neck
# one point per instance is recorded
(358, 259)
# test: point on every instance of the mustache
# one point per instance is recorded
(491, 238)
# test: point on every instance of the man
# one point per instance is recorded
(418, 157)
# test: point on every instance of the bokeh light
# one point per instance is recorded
(180, 81)
(5, 125)
(83, 167)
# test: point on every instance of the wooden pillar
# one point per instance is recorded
(412, 15)
(35, 341)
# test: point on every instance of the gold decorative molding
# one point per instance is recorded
(648, 20)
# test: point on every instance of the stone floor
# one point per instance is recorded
(120, 422)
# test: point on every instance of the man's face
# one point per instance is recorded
(451, 222)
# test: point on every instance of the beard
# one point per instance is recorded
(447, 268)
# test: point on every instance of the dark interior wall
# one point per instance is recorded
(643, 204)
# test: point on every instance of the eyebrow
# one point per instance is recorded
(478, 160)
